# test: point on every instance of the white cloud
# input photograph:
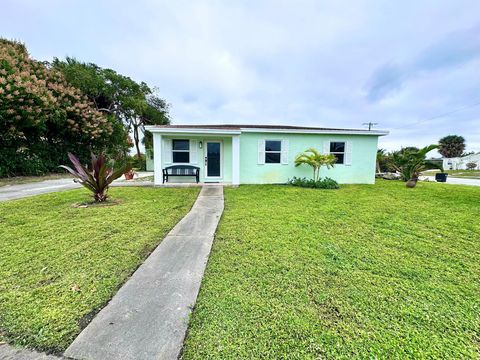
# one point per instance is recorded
(277, 61)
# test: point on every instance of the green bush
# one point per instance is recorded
(139, 164)
(326, 183)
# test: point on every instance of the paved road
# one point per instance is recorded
(10, 192)
(147, 319)
(456, 181)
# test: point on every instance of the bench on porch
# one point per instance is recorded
(181, 170)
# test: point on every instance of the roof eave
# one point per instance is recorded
(182, 130)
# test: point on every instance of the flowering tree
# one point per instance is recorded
(42, 117)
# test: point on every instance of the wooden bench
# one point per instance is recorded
(181, 170)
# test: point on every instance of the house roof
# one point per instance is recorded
(238, 128)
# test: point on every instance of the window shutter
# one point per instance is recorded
(261, 151)
(167, 151)
(284, 151)
(326, 147)
(348, 153)
(193, 151)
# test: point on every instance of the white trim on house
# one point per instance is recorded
(203, 131)
(236, 160)
(300, 131)
(157, 158)
(205, 154)
(185, 131)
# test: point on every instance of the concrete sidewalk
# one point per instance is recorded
(8, 352)
(148, 317)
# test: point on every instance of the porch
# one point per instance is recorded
(215, 152)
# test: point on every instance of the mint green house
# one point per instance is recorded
(262, 154)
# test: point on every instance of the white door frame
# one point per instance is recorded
(205, 152)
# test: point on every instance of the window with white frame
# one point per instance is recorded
(180, 151)
(273, 151)
(337, 148)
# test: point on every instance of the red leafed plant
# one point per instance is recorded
(96, 180)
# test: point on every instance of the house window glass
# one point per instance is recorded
(181, 151)
(338, 149)
(273, 150)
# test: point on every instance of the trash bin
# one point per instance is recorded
(441, 177)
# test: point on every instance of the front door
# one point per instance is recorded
(213, 160)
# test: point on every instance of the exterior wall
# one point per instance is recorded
(460, 163)
(149, 160)
(199, 160)
(361, 170)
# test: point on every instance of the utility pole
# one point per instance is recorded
(370, 125)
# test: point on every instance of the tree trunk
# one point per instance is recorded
(411, 183)
(137, 141)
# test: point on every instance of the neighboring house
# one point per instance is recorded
(263, 154)
(460, 163)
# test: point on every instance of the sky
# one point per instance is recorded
(413, 67)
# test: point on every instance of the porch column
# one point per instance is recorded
(157, 158)
(236, 160)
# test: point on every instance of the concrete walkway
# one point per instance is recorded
(148, 317)
(8, 352)
(10, 192)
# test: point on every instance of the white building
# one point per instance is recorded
(460, 163)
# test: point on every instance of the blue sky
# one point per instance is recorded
(402, 64)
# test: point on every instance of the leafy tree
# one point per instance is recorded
(133, 104)
(312, 157)
(471, 165)
(410, 163)
(451, 146)
(42, 116)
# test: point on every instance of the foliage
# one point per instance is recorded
(471, 165)
(364, 272)
(410, 162)
(133, 104)
(312, 157)
(98, 179)
(451, 146)
(42, 116)
(382, 161)
(59, 264)
(325, 183)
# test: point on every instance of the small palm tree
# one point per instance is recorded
(313, 158)
(411, 162)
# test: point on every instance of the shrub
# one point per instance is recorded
(140, 164)
(471, 165)
(325, 183)
(96, 180)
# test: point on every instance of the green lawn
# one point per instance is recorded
(470, 174)
(367, 271)
(59, 264)
(16, 180)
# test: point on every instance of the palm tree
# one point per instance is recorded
(381, 158)
(451, 146)
(313, 158)
(410, 163)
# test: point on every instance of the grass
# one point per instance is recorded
(17, 180)
(366, 271)
(469, 174)
(60, 264)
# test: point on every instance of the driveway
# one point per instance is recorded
(455, 181)
(10, 192)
